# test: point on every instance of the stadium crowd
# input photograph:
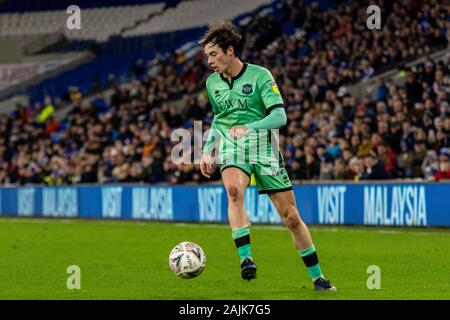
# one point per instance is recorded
(402, 132)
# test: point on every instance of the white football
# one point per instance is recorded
(187, 260)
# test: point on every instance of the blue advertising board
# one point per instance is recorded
(402, 204)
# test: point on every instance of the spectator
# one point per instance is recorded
(326, 169)
(373, 168)
(395, 137)
(413, 161)
(356, 169)
(444, 166)
(52, 126)
(340, 170)
(430, 165)
(47, 111)
(387, 159)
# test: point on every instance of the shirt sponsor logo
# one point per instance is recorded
(232, 104)
(274, 87)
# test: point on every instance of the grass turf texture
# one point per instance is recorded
(129, 260)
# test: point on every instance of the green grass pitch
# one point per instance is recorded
(129, 260)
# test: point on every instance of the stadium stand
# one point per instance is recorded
(402, 131)
(195, 13)
(98, 23)
(9, 6)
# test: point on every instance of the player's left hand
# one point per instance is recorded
(238, 131)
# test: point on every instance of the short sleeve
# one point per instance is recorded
(270, 94)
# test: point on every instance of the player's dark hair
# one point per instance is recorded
(224, 34)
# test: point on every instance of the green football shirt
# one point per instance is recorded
(248, 97)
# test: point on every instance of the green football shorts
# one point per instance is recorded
(269, 179)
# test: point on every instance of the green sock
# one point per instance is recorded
(309, 257)
(241, 237)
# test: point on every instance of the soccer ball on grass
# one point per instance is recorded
(187, 260)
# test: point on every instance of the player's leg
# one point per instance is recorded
(274, 180)
(235, 181)
(286, 206)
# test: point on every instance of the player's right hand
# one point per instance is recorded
(206, 165)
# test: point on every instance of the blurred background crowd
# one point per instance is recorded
(401, 131)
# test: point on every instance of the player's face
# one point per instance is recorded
(218, 60)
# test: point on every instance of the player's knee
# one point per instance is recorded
(284, 211)
(235, 194)
(292, 220)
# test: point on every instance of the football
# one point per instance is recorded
(187, 260)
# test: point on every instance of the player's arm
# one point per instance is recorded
(206, 163)
(213, 137)
(275, 119)
(273, 102)
(211, 140)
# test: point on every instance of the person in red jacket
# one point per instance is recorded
(444, 166)
(52, 125)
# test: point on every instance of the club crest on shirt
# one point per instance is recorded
(247, 89)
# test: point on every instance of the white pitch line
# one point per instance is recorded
(213, 225)
(35, 221)
(318, 229)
